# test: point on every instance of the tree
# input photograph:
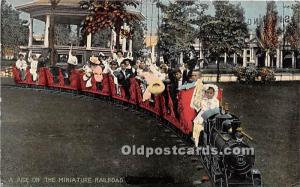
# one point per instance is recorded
(101, 38)
(108, 14)
(231, 28)
(13, 31)
(176, 33)
(225, 32)
(62, 34)
(138, 40)
(268, 31)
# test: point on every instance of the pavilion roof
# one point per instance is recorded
(67, 11)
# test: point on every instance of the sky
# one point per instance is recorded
(253, 10)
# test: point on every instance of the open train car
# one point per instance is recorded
(221, 130)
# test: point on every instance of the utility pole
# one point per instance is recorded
(283, 28)
(158, 50)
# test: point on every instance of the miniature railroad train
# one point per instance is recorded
(221, 131)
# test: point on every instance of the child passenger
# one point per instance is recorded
(33, 60)
(209, 102)
(21, 65)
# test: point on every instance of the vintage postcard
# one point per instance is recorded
(150, 93)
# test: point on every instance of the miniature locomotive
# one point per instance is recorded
(223, 134)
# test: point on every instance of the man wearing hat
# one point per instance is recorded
(124, 76)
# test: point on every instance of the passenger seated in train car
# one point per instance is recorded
(33, 60)
(151, 79)
(97, 71)
(129, 65)
(163, 68)
(111, 68)
(87, 77)
(43, 58)
(175, 83)
(21, 65)
(123, 78)
(118, 57)
(209, 105)
(72, 61)
(157, 72)
(141, 66)
(141, 69)
(196, 75)
(187, 72)
(135, 65)
(105, 60)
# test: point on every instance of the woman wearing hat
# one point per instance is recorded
(97, 71)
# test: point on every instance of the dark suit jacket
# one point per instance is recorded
(186, 76)
(123, 79)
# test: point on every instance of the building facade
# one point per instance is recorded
(284, 57)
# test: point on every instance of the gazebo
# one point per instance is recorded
(66, 12)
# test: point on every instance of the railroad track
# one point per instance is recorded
(179, 138)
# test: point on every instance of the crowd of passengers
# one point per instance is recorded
(122, 68)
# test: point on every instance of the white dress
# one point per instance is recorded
(21, 64)
(205, 105)
(33, 68)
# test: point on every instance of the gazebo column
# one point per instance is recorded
(293, 59)
(30, 32)
(244, 57)
(234, 58)
(130, 46)
(124, 39)
(124, 45)
(113, 39)
(47, 26)
(78, 35)
(278, 57)
(130, 43)
(256, 61)
(153, 53)
(225, 58)
(252, 54)
(281, 59)
(89, 41)
(201, 51)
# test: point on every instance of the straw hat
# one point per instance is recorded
(94, 60)
(156, 87)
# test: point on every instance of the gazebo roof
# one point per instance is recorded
(66, 12)
(74, 3)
